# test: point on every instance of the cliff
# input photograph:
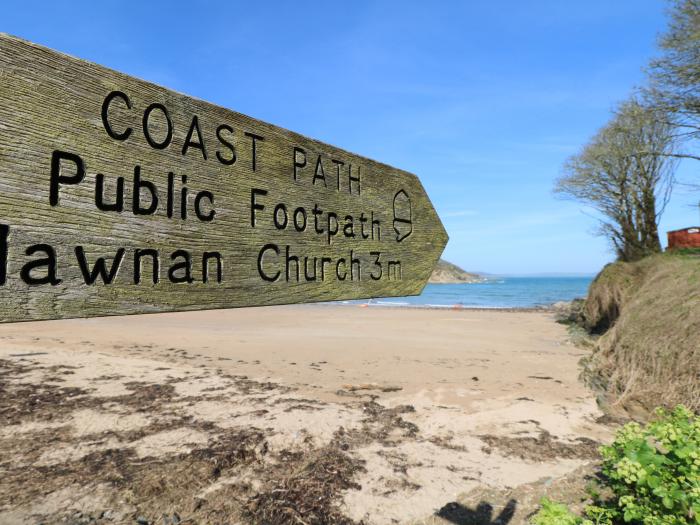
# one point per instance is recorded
(648, 315)
(448, 273)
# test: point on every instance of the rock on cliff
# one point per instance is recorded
(446, 273)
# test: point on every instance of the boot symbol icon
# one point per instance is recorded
(403, 221)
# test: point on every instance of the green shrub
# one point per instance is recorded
(653, 473)
(554, 514)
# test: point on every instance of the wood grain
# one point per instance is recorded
(51, 107)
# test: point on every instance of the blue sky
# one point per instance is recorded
(482, 100)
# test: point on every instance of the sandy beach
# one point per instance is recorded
(374, 415)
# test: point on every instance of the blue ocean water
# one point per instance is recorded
(497, 292)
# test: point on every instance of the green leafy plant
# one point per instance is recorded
(552, 513)
(653, 473)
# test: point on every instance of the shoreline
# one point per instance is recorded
(455, 307)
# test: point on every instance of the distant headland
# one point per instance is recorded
(448, 273)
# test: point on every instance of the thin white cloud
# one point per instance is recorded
(460, 213)
(520, 224)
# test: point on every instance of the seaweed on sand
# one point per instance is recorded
(307, 490)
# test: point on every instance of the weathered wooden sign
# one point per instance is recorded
(118, 196)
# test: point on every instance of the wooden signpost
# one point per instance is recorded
(118, 196)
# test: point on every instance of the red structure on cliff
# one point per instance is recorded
(685, 238)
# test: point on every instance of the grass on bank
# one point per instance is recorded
(648, 316)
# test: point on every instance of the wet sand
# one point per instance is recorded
(426, 410)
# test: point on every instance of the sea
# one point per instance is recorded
(494, 292)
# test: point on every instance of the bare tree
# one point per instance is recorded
(616, 175)
(674, 78)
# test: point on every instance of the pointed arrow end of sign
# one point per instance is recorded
(433, 243)
(440, 239)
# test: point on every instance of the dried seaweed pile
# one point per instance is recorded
(307, 490)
